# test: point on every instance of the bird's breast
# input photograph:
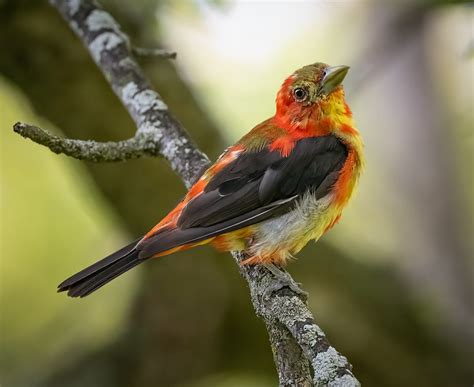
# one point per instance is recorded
(289, 233)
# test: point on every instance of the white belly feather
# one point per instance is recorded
(289, 233)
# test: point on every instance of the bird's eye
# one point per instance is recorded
(300, 94)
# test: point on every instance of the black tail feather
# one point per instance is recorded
(97, 275)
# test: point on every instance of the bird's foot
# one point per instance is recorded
(283, 279)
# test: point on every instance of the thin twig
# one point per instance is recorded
(154, 52)
(89, 150)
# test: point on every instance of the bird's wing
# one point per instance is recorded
(254, 187)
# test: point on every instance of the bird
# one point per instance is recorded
(280, 186)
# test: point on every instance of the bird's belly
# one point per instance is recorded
(278, 238)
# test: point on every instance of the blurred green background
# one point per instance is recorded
(391, 285)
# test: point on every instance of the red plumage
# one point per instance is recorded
(283, 184)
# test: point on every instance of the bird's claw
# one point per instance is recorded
(282, 280)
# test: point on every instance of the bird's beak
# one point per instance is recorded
(333, 78)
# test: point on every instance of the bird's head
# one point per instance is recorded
(312, 99)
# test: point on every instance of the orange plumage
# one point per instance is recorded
(283, 184)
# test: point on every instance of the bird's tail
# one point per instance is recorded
(97, 275)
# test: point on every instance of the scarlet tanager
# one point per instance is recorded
(280, 186)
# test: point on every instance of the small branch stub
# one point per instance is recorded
(154, 52)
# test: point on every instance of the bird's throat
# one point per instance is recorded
(329, 116)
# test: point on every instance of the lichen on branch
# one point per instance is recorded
(88, 150)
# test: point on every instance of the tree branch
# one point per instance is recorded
(298, 343)
(281, 307)
(111, 50)
(140, 145)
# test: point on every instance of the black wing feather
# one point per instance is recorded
(168, 239)
(256, 179)
(253, 188)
